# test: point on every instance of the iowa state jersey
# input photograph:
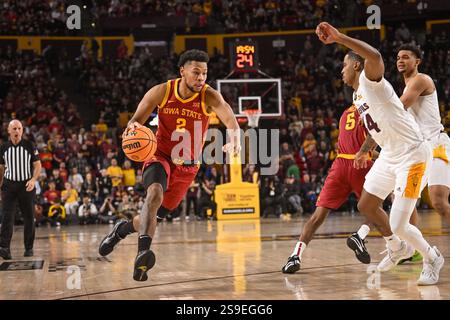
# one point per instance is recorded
(393, 128)
(182, 124)
(352, 133)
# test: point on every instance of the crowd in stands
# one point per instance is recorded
(86, 179)
(238, 16)
(33, 17)
(48, 17)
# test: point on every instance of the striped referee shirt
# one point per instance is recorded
(18, 160)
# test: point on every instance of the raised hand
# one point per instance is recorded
(327, 33)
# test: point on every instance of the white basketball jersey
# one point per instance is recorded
(390, 125)
(426, 112)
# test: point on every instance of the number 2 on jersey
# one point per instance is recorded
(181, 123)
(371, 125)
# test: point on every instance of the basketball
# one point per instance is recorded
(139, 145)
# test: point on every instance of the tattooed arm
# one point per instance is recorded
(362, 157)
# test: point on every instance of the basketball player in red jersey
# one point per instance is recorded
(184, 107)
(343, 178)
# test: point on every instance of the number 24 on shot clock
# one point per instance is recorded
(244, 56)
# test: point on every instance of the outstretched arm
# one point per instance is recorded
(373, 66)
(222, 109)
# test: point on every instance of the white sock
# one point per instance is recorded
(363, 231)
(298, 250)
(394, 243)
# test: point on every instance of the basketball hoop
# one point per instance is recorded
(252, 116)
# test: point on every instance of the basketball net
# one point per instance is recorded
(252, 117)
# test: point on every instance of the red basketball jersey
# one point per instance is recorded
(182, 124)
(352, 132)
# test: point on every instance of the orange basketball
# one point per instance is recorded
(139, 145)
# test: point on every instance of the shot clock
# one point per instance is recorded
(244, 56)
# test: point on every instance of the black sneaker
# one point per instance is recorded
(5, 253)
(28, 253)
(292, 265)
(355, 243)
(108, 243)
(145, 260)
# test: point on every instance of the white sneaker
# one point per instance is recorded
(393, 257)
(430, 271)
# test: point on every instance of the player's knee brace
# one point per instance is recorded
(401, 211)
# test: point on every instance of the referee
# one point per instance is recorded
(19, 169)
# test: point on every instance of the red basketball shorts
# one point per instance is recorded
(342, 180)
(179, 178)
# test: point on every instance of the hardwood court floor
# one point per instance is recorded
(217, 260)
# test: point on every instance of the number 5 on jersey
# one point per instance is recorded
(351, 122)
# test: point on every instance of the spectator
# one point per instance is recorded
(334, 133)
(107, 212)
(293, 171)
(104, 185)
(192, 197)
(250, 174)
(63, 173)
(73, 145)
(57, 213)
(46, 159)
(55, 126)
(206, 198)
(129, 174)
(309, 144)
(90, 186)
(284, 136)
(286, 152)
(51, 194)
(87, 212)
(56, 179)
(215, 176)
(272, 197)
(315, 163)
(60, 154)
(127, 209)
(79, 162)
(40, 217)
(292, 194)
(76, 179)
(115, 173)
(402, 34)
(308, 194)
(70, 198)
